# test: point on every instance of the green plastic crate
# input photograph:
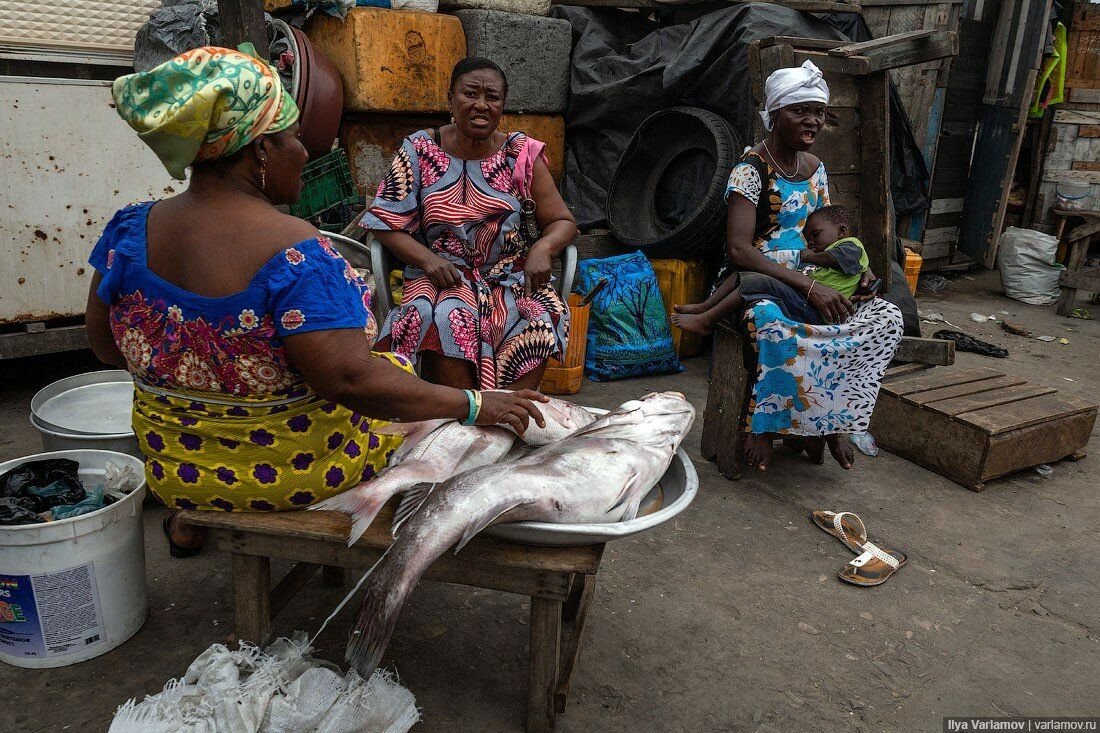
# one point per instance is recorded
(327, 183)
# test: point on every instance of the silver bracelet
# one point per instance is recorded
(812, 283)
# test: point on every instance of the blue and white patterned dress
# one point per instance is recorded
(811, 379)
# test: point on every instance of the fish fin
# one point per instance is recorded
(479, 523)
(624, 494)
(632, 507)
(361, 503)
(411, 501)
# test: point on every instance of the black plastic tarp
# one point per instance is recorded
(627, 65)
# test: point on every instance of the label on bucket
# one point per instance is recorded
(50, 615)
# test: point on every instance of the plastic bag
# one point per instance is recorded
(1028, 271)
(17, 510)
(48, 483)
(124, 479)
(628, 330)
(964, 342)
(91, 503)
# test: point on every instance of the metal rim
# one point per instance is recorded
(61, 386)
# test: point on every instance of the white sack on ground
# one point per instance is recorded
(280, 688)
(1028, 272)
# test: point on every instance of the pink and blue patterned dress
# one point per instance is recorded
(224, 420)
(468, 212)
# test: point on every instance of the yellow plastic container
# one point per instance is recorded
(549, 129)
(913, 263)
(391, 60)
(567, 377)
(682, 281)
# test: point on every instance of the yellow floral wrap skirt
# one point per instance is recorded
(205, 451)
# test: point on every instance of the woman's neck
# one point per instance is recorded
(470, 149)
(208, 182)
(782, 156)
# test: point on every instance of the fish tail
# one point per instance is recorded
(375, 622)
(362, 503)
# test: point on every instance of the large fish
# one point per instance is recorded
(433, 451)
(599, 474)
(562, 419)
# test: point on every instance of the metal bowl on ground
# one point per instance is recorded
(87, 411)
(671, 496)
(96, 403)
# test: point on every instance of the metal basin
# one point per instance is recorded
(53, 440)
(92, 404)
(671, 496)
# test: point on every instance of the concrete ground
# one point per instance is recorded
(731, 617)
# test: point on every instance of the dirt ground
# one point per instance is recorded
(730, 618)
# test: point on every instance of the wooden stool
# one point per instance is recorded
(1077, 247)
(560, 581)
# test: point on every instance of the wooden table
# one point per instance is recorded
(560, 581)
(1077, 247)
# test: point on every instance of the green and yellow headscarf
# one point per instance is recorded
(204, 104)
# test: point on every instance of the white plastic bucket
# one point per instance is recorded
(73, 589)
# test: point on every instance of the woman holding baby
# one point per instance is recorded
(823, 341)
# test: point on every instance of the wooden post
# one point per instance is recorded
(241, 21)
(574, 615)
(543, 674)
(876, 215)
(252, 597)
(723, 435)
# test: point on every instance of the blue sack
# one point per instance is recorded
(628, 331)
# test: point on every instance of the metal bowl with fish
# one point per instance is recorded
(670, 497)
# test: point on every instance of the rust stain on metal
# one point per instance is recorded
(80, 271)
(41, 234)
(22, 281)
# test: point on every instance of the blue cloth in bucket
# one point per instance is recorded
(628, 331)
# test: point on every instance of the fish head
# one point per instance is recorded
(668, 414)
(566, 414)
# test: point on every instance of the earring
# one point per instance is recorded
(263, 174)
(452, 119)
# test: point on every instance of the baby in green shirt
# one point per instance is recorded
(832, 256)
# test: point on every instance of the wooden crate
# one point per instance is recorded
(391, 60)
(974, 425)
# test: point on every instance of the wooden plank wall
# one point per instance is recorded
(1072, 154)
(923, 87)
(956, 141)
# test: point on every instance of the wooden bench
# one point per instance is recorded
(1076, 276)
(560, 581)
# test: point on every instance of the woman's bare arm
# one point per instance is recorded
(338, 365)
(98, 328)
(557, 226)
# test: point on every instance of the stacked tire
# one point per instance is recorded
(667, 196)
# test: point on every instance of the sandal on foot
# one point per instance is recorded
(873, 567)
(175, 550)
(845, 526)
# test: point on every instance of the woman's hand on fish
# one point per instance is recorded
(514, 409)
(537, 269)
(833, 307)
(441, 272)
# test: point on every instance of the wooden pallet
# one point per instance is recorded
(974, 425)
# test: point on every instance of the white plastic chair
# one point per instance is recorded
(382, 263)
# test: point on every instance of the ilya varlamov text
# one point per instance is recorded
(1020, 724)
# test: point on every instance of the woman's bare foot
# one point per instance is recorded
(693, 323)
(758, 449)
(691, 309)
(841, 448)
(813, 445)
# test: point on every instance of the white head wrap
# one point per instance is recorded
(791, 86)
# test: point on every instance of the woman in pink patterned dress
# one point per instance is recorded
(478, 304)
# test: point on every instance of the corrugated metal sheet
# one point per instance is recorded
(94, 24)
(69, 163)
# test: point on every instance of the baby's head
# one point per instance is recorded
(827, 225)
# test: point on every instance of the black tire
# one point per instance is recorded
(668, 192)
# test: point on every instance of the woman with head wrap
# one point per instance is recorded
(821, 356)
(256, 387)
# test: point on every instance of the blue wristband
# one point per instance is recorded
(471, 417)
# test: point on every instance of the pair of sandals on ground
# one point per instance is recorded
(873, 565)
